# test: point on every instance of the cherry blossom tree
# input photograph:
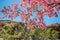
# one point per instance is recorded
(49, 8)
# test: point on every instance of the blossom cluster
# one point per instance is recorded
(49, 8)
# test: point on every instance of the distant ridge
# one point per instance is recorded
(6, 21)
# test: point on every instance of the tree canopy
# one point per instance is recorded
(49, 8)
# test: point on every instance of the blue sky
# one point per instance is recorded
(47, 20)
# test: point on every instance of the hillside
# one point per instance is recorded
(11, 30)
